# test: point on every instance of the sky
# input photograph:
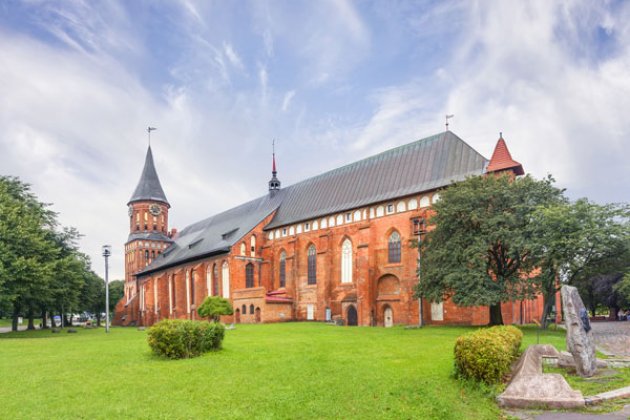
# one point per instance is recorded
(331, 81)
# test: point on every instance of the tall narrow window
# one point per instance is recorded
(173, 293)
(252, 243)
(312, 265)
(187, 292)
(215, 280)
(225, 278)
(283, 269)
(249, 275)
(209, 280)
(244, 310)
(393, 248)
(192, 287)
(346, 261)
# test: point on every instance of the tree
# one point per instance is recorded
(479, 252)
(116, 292)
(25, 246)
(574, 242)
(622, 289)
(215, 306)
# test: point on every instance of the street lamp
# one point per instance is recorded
(107, 250)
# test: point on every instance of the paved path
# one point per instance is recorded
(613, 337)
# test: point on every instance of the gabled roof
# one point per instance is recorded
(149, 187)
(216, 234)
(423, 165)
(501, 159)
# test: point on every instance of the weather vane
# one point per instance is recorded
(149, 129)
(447, 118)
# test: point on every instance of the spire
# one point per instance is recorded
(502, 159)
(149, 187)
(274, 183)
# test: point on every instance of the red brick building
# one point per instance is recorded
(335, 247)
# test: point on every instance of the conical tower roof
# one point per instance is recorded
(502, 159)
(149, 187)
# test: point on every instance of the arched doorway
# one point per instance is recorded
(237, 316)
(388, 316)
(257, 312)
(352, 318)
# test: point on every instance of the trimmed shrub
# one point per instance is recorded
(487, 354)
(183, 339)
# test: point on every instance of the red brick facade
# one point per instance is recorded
(378, 289)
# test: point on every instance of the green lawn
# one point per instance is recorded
(6, 322)
(293, 370)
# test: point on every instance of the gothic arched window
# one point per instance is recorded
(283, 269)
(346, 261)
(252, 243)
(393, 248)
(312, 264)
(249, 275)
(215, 280)
(225, 278)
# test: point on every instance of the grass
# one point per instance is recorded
(6, 322)
(293, 370)
(604, 380)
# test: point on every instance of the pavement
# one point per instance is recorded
(613, 337)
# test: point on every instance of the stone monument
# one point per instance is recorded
(579, 336)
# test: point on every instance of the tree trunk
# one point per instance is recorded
(548, 304)
(31, 322)
(44, 319)
(67, 321)
(612, 315)
(16, 314)
(496, 317)
(98, 319)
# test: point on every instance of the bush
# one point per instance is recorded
(183, 339)
(487, 354)
(215, 306)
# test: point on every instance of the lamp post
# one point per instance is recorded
(107, 250)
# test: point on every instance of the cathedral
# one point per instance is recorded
(337, 247)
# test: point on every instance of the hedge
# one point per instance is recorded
(487, 354)
(183, 339)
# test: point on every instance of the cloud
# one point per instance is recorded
(232, 56)
(561, 112)
(288, 97)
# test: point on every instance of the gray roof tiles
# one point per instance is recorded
(149, 187)
(423, 165)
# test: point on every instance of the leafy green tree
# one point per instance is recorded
(25, 246)
(116, 292)
(576, 241)
(622, 288)
(479, 252)
(215, 306)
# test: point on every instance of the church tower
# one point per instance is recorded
(274, 182)
(148, 224)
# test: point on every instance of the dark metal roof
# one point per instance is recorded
(216, 234)
(149, 187)
(423, 165)
(149, 236)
